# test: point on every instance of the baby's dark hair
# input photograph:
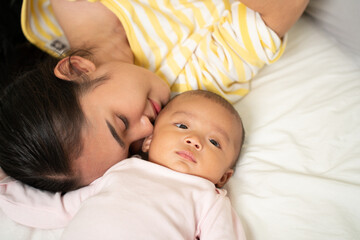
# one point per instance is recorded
(40, 129)
(227, 105)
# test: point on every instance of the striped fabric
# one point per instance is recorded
(210, 44)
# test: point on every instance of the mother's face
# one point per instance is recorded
(118, 111)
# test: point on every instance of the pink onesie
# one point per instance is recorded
(135, 199)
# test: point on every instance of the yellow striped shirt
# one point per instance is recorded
(217, 45)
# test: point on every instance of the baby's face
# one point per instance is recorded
(195, 135)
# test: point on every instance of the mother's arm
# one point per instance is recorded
(279, 15)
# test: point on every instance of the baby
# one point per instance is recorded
(198, 133)
(195, 145)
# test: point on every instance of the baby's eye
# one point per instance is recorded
(215, 143)
(180, 125)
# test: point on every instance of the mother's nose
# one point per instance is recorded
(141, 129)
(193, 141)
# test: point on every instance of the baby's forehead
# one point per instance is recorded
(198, 98)
(188, 103)
(183, 103)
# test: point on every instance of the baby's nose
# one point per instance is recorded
(194, 141)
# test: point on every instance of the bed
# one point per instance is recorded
(299, 174)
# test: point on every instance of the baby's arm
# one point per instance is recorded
(279, 15)
(221, 222)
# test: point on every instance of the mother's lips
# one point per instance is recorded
(156, 106)
(186, 155)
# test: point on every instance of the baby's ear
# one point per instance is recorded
(71, 68)
(227, 175)
(146, 144)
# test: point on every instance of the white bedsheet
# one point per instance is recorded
(299, 174)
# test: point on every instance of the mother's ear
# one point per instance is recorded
(70, 68)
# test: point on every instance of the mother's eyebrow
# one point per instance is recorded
(115, 135)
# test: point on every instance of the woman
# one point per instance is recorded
(64, 126)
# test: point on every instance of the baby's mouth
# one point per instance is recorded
(187, 155)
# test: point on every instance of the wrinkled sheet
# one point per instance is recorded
(299, 174)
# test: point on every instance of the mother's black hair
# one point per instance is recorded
(40, 129)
